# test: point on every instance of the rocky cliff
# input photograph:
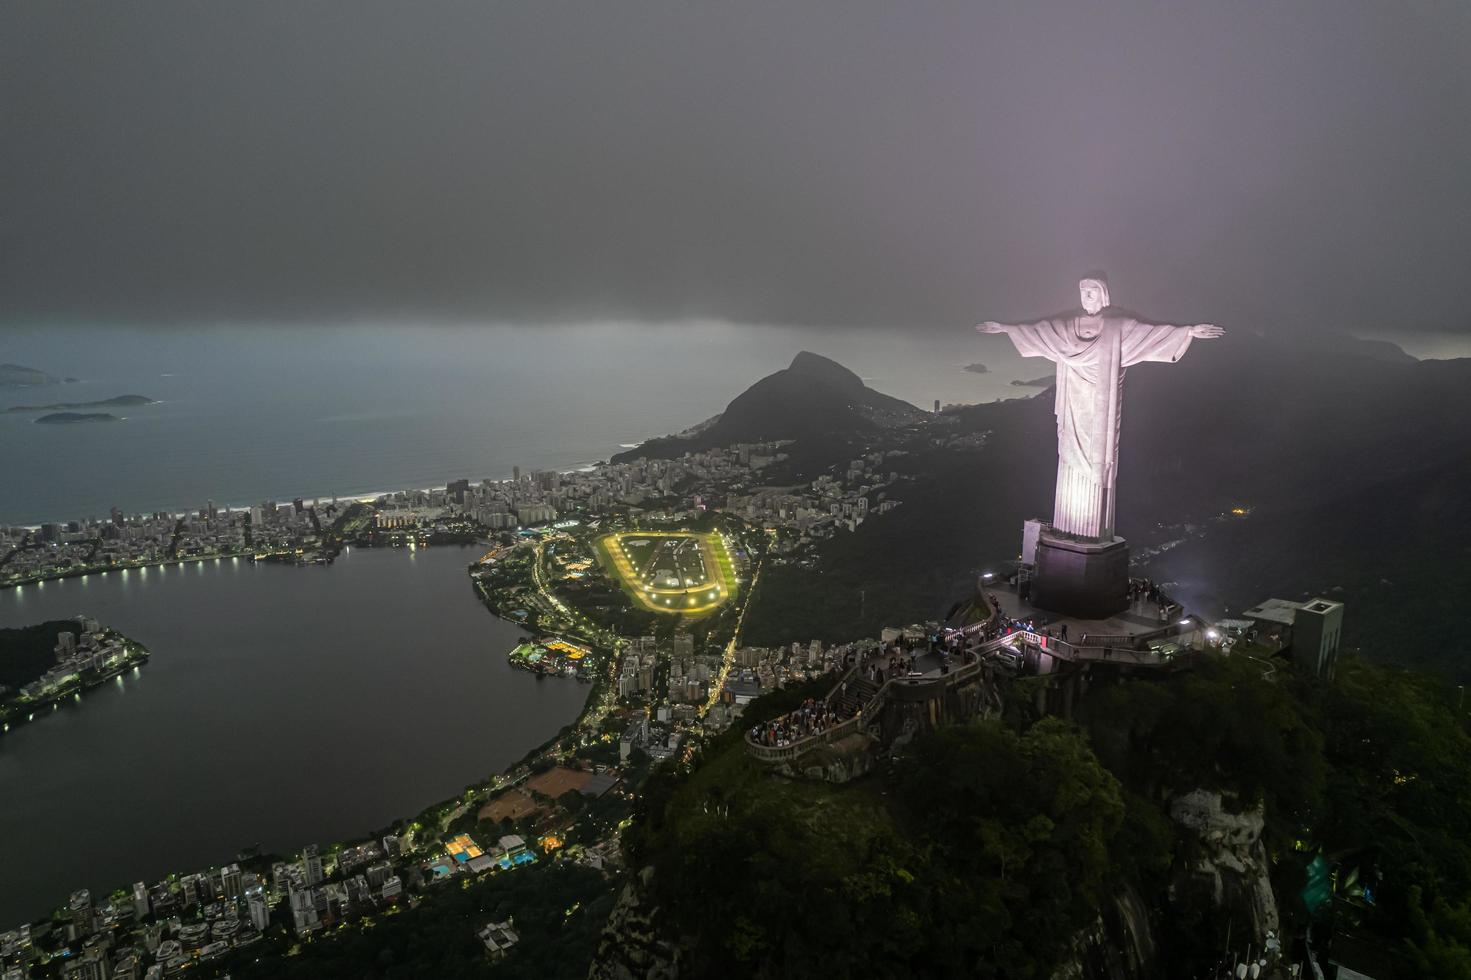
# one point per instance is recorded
(1231, 870)
(631, 947)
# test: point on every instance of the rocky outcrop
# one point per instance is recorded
(1226, 871)
(630, 946)
(1231, 867)
(835, 762)
(1119, 945)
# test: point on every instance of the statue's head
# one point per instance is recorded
(1094, 291)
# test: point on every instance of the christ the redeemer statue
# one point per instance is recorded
(1092, 347)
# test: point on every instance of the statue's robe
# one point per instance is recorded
(1090, 386)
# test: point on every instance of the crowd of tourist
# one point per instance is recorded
(813, 717)
(888, 661)
(892, 663)
(1001, 625)
(875, 664)
(1143, 590)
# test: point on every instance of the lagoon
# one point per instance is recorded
(282, 705)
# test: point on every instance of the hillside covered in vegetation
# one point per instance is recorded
(996, 848)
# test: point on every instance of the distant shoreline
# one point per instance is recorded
(76, 418)
(121, 401)
(366, 497)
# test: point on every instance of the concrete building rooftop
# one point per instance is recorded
(1280, 611)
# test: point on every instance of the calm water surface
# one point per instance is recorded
(282, 705)
(275, 413)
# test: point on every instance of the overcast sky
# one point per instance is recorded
(926, 164)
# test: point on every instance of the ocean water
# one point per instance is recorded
(252, 413)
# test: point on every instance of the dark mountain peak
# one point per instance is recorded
(824, 370)
(814, 398)
(1320, 338)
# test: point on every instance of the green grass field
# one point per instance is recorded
(671, 571)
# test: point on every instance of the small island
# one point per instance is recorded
(71, 418)
(20, 376)
(1046, 381)
(121, 401)
(43, 665)
(977, 369)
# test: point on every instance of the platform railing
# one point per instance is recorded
(1098, 649)
(776, 753)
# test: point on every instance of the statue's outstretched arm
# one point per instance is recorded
(1042, 338)
(1200, 331)
(1163, 341)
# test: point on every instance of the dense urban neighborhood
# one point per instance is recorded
(579, 560)
(313, 531)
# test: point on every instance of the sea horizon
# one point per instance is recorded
(407, 407)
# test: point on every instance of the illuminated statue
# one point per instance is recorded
(1092, 347)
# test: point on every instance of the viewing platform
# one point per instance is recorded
(1004, 645)
(870, 699)
(1138, 636)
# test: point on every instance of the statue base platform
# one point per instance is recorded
(1080, 578)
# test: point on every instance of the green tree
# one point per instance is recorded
(980, 833)
(1398, 806)
(1228, 725)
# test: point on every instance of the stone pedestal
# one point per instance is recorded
(1080, 578)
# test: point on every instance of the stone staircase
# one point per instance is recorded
(855, 696)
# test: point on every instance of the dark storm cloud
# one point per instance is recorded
(843, 162)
